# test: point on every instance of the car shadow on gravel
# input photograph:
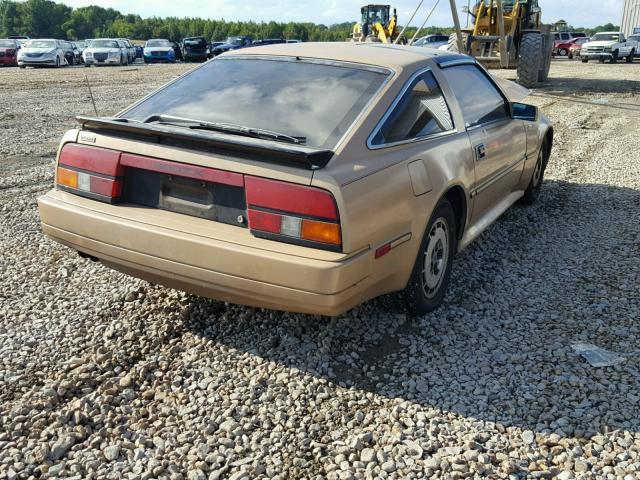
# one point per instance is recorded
(539, 280)
(586, 85)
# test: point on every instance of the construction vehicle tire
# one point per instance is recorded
(452, 45)
(529, 59)
(543, 73)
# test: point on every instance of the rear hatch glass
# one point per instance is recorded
(314, 101)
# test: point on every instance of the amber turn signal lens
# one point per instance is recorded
(321, 232)
(67, 178)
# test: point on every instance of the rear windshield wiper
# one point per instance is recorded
(225, 128)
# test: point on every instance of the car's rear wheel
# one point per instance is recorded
(430, 277)
(533, 189)
(584, 59)
(629, 58)
(563, 52)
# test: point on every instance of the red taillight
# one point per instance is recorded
(90, 171)
(288, 197)
(292, 213)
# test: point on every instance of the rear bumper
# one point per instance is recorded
(209, 267)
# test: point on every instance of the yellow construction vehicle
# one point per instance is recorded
(507, 34)
(376, 25)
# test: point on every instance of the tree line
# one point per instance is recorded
(48, 19)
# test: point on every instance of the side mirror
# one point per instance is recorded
(523, 111)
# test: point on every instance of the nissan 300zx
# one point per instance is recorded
(301, 177)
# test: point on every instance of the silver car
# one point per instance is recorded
(105, 51)
(41, 52)
(431, 41)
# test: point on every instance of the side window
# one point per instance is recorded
(478, 98)
(422, 111)
(565, 36)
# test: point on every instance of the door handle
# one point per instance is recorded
(481, 152)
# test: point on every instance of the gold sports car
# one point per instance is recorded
(301, 177)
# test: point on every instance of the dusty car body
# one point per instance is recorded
(381, 170)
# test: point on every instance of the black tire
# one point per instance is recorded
(421, 294)
(57, 62)
(22, 66)
(629, 58)
(563, 52)
(584, 59)
(547, 50)
(614, 57)
(535, 184)
(452, 44)
(529, 59)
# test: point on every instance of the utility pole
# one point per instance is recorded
(456, 24)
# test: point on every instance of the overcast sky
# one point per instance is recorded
(586, 13)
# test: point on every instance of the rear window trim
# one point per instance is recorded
(405, 88)
(389, 73)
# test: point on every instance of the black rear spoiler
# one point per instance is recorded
(246, 147)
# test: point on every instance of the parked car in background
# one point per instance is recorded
(610, 46)
(233, 43)
(8, 52)
(293, 40)
(635, 38)
(69, 51)
(41, 52)
(176, 50)
(194, 49)
(81, 45)
(105, 51)
(131, 50)
(576, 47)
(159, 50)
(318, 184)
(431, 41)
(564, 36)
(139, 51)
(268, 41)
(212, 47)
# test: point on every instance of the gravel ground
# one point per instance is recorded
(106, 376)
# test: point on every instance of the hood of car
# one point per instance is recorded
(102, 50)
(601, 43)
(228, 46)
(37, 50)
(158, 49)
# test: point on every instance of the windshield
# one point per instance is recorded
(195, 42)
(158, 43)
(599, 37)
(7, 44)
(296, 98)
(104, 44)
(235, 41)
(40, 44)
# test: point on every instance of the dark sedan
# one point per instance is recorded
(194, 49)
